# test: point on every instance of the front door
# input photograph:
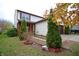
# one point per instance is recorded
(31, 27)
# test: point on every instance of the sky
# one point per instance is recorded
(38, 7)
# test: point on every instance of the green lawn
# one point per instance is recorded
(12, 46)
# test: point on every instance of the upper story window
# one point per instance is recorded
(35, 19)
(25, 16)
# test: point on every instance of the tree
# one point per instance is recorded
(5, 25)
(74, 13)
(21, 28)
(53, 38)
(67, 17)
(45, 14)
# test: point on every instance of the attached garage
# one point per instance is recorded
(41, 28)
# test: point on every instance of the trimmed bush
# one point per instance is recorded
(21, 37)
(12, 32)
(23, 26)
(53, 38)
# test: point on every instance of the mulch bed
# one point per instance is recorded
(28, 42)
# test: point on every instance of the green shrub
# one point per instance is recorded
(22, 29)
(12, 32)
(23, 26)
(25, 36)
(53, 38)
(21, 37)
(0, 32)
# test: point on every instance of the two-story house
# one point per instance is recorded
(29, 17)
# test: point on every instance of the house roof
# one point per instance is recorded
(41, 21)
(29, 13)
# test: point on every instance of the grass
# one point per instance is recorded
(75, 49)
(12, 46)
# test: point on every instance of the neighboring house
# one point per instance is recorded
(36, 24)
(75, 29)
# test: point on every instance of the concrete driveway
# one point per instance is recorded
(70, 37)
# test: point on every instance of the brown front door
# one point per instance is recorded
(30, 27)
